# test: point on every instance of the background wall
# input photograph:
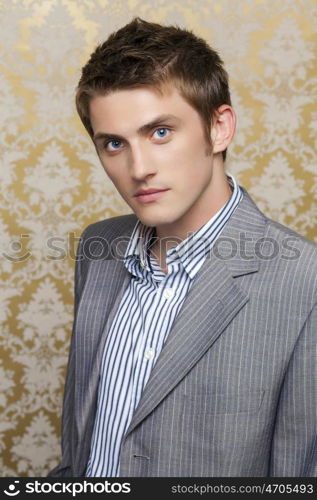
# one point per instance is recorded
(52, 185)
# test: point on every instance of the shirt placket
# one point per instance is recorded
(139, 356)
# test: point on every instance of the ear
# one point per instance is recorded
(223, 128)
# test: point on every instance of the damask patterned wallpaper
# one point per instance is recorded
(52, 185)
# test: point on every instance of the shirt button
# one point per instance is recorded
(149, 354)
(168, 293)
(142, 264)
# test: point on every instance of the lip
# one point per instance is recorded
(146, 195)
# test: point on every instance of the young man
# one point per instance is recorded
(194, 343)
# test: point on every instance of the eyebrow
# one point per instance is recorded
(159, 120)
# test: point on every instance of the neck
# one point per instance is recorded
(171, 235)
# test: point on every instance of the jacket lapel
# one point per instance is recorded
(103, 290)
(204, 316)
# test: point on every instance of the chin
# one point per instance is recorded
(154, 221)
(150, 222)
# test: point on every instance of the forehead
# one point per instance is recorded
(122, 111)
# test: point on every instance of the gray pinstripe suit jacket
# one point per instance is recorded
(234, 391)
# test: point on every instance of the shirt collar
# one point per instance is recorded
(137, 254)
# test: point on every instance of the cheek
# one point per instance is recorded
(183, 152)
(112, 170)
(115, 179)
(118, 182)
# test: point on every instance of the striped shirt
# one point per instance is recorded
(140, 327)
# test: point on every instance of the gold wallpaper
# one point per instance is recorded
(52, 185)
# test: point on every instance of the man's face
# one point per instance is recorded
(151, 141)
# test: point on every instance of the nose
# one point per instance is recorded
(141, 165)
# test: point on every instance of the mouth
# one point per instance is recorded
(145, 196)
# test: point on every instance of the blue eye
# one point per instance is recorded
(113, 145)
(161, 132)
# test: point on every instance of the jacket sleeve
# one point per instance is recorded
(69, 438)
(294, 446)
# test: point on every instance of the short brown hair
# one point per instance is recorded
(142, 53)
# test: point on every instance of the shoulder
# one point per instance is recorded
(287, 260)
(290, 262)
(287, 238)
(271, 231)
(104, 239)
(298, 255)
(113, 227)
